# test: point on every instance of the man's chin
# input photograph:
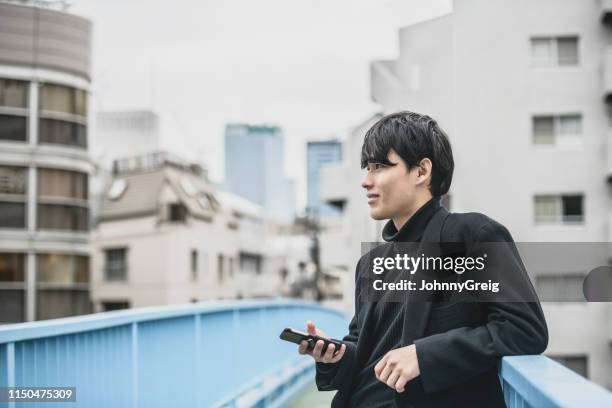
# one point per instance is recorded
(376, 215)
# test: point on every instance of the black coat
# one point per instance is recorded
(459, 345)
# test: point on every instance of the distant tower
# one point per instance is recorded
(254, 168)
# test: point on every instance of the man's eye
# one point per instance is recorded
(378, 166)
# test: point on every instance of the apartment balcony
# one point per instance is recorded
(218, 354)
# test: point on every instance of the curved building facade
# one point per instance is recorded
(44, 163)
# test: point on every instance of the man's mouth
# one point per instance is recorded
(372, 197)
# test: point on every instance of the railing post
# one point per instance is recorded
(236, 335)
(10, 368)
(198, 346)
(135, 365)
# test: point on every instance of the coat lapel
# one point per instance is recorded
(416, 314)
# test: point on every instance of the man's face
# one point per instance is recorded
(390, 189)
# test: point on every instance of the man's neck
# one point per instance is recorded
(403, 218)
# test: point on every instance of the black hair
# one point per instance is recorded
(414, 137)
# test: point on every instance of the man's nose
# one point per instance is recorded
(366, 181)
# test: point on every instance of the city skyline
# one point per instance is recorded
(245, 71)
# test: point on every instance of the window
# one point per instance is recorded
(250, 263)
(12, 215)
(13, 128)
(13, 93)
(563, 130)
(54, 184)
(194, 264)
(53, 131)
(178, 212)
(115, 266)
(12, 267)
(578, 363)
(205, 201)
(543, 130)
(13, 180)
(55, 303)
(572, 208)
(13, 189)
(567, 50)
(62, 268)
(63, 217)
(115, 305)
(560, 288)
(570, 125)
(559, 209)
(59, 98)
(62, 183)
(554, 51)
(12, 287)
(117, 189)
(12, 308)
(220, 268)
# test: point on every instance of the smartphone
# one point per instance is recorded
(296, 337)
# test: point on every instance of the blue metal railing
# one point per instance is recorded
(199, 355)
(217, 354)
(538, 381)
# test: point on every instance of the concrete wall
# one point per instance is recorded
(41, 38)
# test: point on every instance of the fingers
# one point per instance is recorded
(329, 353)
(303, 347)
(310, 327)
(393, 377)
(316, 351)
(400, 385)
(386, 372)
(379, 366)
(339, 355)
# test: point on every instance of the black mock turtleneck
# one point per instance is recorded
(388, 318)
(413, 229)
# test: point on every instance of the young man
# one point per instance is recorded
(424, 354)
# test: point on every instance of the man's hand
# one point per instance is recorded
(328, 357)
(398, 367)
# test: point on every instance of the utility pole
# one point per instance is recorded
(312, 223)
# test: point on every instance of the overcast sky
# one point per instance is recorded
(202, 63)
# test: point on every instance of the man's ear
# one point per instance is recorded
(424, 167)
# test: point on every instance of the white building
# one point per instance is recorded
(165, 236)
(520, 87)
(44, 162)
(119, 134)
(341, 185)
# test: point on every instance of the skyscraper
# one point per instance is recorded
(254, 168)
